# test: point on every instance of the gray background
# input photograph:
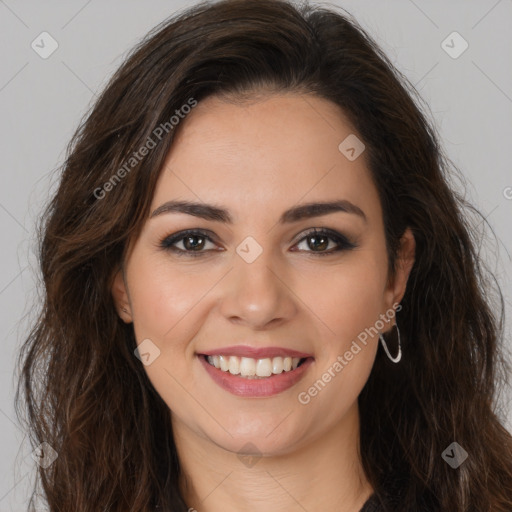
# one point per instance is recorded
(42, 101)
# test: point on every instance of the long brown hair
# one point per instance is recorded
(88, 396)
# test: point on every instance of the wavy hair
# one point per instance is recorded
(84, 392)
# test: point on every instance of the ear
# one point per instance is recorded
(395, 289)
(120, 296)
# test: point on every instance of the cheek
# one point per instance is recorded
(165, 304)
(346, 299)
(162, 298)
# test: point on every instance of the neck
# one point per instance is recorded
(324, 474)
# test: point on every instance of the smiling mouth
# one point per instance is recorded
(250, 368)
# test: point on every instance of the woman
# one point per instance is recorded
(260, 291)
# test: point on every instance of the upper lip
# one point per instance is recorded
(255, 353)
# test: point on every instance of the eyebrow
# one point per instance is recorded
(219, 214)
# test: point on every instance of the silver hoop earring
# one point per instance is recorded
(384, 345)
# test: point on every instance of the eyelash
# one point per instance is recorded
(168, 242)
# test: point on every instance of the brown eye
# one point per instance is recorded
(318, 241)
(192, 241)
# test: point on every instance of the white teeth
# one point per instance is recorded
(234, 365)
(224, 363)
(247, 367)
(214, 361)
(277, 365)
(254, 368)
(264, 367)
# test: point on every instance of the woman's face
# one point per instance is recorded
(261, 280)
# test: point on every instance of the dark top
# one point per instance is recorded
(372, 505)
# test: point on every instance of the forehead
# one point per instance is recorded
(267, 153)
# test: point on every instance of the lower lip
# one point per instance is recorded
(269, 386)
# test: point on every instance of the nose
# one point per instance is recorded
(258, 294)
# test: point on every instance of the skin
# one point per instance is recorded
(258, 159)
